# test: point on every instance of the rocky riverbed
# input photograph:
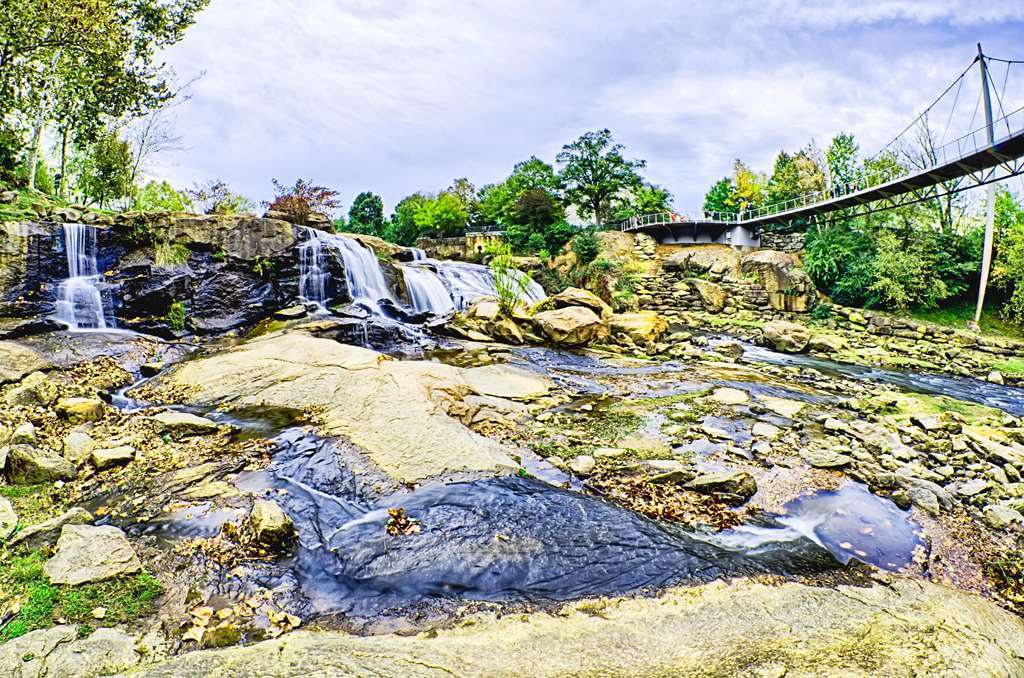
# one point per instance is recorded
(561, 490)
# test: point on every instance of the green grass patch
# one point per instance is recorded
(24, 208)
(910, 404)
(22, 579)
(957, 315)
(1010, 366)
(169, 255)
(34, 503)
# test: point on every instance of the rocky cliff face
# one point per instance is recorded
(222, 271)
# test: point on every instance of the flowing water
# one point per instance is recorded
(79, 300)
(471, 281)
(426, 291)
(363, 273)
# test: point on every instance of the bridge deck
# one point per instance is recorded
(1005, 150)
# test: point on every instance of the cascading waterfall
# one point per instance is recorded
(472, 281)
(426, 291)
(439, 288)
(79, 301)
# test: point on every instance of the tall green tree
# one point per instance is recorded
(104, 175)
(366, 215)
(594, 172)
(841, 160)
(721, 197)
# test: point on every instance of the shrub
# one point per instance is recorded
(169, 255)
(161, 197)
(176, 316)
(302, 199)
(509, 282)
(586, 246)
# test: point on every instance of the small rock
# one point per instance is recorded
(738, 483)
(819, 458)
(609, 452)
(995, 377)
(928, 423)
(269, 525)
(45, 534)
(583, 465)
(78, 445)
(25, 435)
(291, 313)
(8, 519)
(730, 396)
(80, 410)
(27, 465)
(1000, 516)
(784, 407)
(763, 429)
(973, 487)
(183, 424)
(87, 553)
(835, 425)
(924, 500)
(730, 349)
(35, 389)
(151, 369)
(112, 456)
(786, 336)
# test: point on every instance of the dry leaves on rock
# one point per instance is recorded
(401, 524)
(665, 501)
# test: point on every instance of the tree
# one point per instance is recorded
(303, 199)
(161, 197)
(105, 170)
(444, 214)
(402, 228)
(594, 172)
(467, 194)
(76, 62)
(366, 215)
(748, 187)
(215, 197)
(721, 197)
(498, 202)
(841, 160)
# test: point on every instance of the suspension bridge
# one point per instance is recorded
(930, 169)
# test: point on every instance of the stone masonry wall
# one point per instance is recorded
(783, 242)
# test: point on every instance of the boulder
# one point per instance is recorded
(28, 465)
(718, 260)
(80, 410)
(743, 627)
(25, 434)
(571, 326)
(507, 381)
(45, 534)
(8, 519)
(269, 526)
(826, 343)
(183, 424)
(291, 313)
(820, 458)
(763, 429)
(484, 308)
(575, 296)
(788, 286)
(60, 652)
(17, 362)
(35, 389)
(643, 327)
(784, 407)
(729, 396)
(89, 553)
(394, 411)
(78, 445)
(786, 336)
(107, 457)
(712, 296)
(583, 465)
(1000, 516)
(740, 484)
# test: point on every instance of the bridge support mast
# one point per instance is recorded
(986, 259)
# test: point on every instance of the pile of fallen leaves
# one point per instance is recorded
(222, 627)
(400, 524)
(1007, 574)
(664, 501)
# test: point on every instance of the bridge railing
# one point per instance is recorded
(970, 143)
(696, 216)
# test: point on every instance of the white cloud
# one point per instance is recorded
(406, 96)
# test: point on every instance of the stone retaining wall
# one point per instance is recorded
(783, 242)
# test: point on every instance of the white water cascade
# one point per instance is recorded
(79, 302)
(426, 291)
(472, 281)
(366, 282)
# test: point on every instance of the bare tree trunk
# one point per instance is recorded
(62, 190)
(40, 121)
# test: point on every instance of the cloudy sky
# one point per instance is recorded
(397, 96)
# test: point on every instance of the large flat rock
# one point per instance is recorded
(901, 629)
(395, 411)
(17, 362)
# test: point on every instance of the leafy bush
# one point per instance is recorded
(302, 199)
(586, 246)
(176, 316)
(161, 197)
(215, 197)
(11, 147)
(509, 282)
(169, 255)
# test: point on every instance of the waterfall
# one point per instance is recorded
(426, 291)
(418, 254)
(79, 302)
(366, 282)
(472, 281)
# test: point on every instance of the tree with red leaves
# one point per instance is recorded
(303, 199)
